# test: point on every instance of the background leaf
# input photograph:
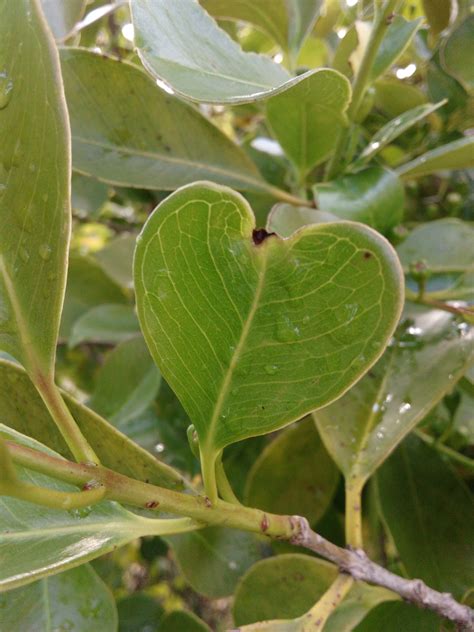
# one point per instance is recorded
(457, 50)
(62, 16)
(459, 154)
(394, 617)
(397, 38)
(105, 324)
(76, 599)
(182, 620)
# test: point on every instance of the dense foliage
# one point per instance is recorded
(236, 285)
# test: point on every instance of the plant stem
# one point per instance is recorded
(293, 528)
(353, 515)
(223, 485)
(209, 479)
(53, 498)
(465, 461)
(316, 618)
(467, 312)
(65, 422)
(362, 80)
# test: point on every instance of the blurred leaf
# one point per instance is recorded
(139, 612)
(214, 69)
(285, 219)
(62, 15)
(34, 188)
(464, 417)
(24, 410)
(395, 617)
(392, 130)
(374, 196)
(398, 37)
(105, 324)
(361, 599)
(294, 475)
(73, 600)
(446, 248)
(307, 118)
(126, 383)
(153, 140)
(395, 97)
(249, 333)
(116, 259)
(183, 621)
(457, 53)
(429, 513)
(213, 559)
(88, 194)
(428, 355)
(459, 154)
(303, 14)
(438, 13)
(37, 541)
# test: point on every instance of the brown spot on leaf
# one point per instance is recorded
(152, 504)
(367, 255)
(264, 523)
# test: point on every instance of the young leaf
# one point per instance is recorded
(308, 117)
(429, 354)
(186, 49)
(253, 333)
(153, 140)
(126, 383)
(37, 541)
(62, 16)
(21, 405)
(429, 513)
(76, 600)
(34, 187)
(374, 196)
(105, 324)
(459, 154)
(294, 475)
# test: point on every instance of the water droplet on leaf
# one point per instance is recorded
(6, 89)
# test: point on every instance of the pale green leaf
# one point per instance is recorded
(392, 130)
(429, 353)
(307, 118)
(105, 324)
(398, 37)
(34, 187)
(88, 194)
(374, 196)
(429, 513)
(25, 411)
(147, 138)
(294, 475)
(116, 259)
(459, 154)
(254, 336)
(126, 383)
(62, 15)
(457, 53)
(302, 14)
(74, 600)
(37, 541)
(184, 47)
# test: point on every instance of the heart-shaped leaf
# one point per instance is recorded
(251, 332)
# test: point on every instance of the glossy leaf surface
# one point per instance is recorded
(76, 599)
(294, 475)
(307, 118)
(186, 49)
(252, 337)
(374, 196)
(415, 486)
(21, 405)
(459, 154)
(430, 352)
(34, 187)
(153, 140)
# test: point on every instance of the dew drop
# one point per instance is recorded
(271, 369)
(232, 565)
(6, 89)
(159, 447)
(404, 408)
(45, 252)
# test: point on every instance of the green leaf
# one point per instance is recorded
(438, 13)
(214, 69)
(395, 97)
(459, 154)
(428, 355)
(429, 513)
(374, 196)
(398, 37)
(88, 194)
(139, 612)
(392, 130)
(127, 382)
(62, 16)
(252, 337)
(446, 248)
(153, 141)
(183, 621)
(34, 187)
(303, 14)
(74, 600)
(87, 286)
(105, 324)
(213, 559)
(282, 587)
(395, 617)
(307, 118)
(116, 259)
(285, 219)
(37, 541)
(294, 475)
(24, 410)
(361, 599)
(457, 53)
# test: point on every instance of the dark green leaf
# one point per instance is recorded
(398, 617)
(139, 613)
(182, 621)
